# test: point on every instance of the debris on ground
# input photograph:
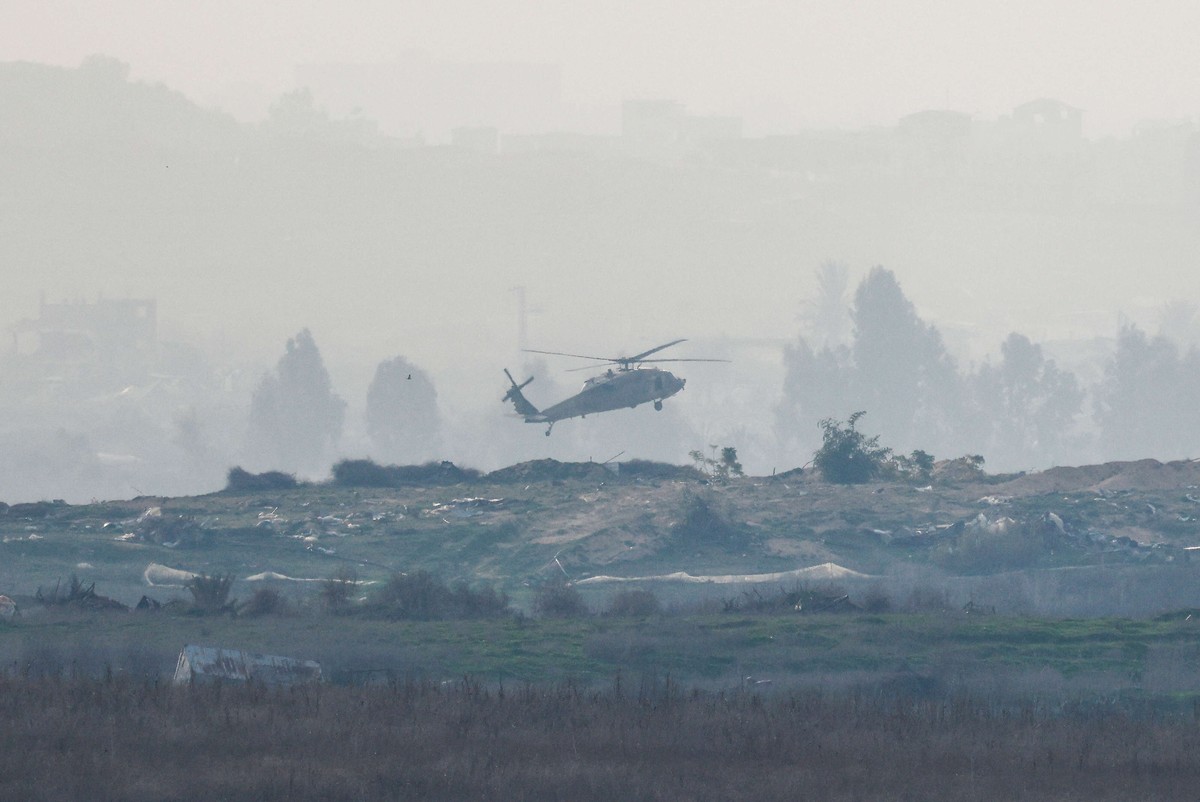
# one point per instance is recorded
(78, 595)
(209, 664)
(163, 576)
(153, 526)
(466, 507)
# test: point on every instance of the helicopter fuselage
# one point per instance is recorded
(629, 385)
(614, 389)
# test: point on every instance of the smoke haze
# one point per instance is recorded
(186, 191)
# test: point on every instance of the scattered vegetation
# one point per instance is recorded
(719, 467)
(648, 470)
(77, 595)
(649, 738)
(367, 473)
(336, 591)
(796, 600)
(558, 598)
(916, 467)
(265, 601)
(847, 456)
(210, 594)
(420, 596)
(242, 481)
(701, 524)
(636, 603)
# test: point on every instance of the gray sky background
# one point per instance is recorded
(258, 233)
(780, 66)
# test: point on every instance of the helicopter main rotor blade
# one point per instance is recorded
(623, 361)
(576, 356)
(684, 359)
(639, 357)
(643, 362)
(593, 367)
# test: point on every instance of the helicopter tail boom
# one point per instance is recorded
(518, 398)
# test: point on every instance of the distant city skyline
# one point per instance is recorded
(779, 67)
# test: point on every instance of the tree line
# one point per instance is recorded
(296, 417)
(1021, 410)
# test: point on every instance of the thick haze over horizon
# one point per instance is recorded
(405, 179)
(779, 66)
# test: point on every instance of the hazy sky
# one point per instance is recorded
(780, 65)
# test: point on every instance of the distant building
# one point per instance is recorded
(935, 140)
(1044, 126)
(417, 93)
(480, 139)
(560, 142)
(1051, 117)
(77, 330)
(661, 129)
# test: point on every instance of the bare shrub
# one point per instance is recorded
(265, 601)
(558, 598)
(420, 596)
(336, 590)
(800, 599)
(927, 599)
(78, 595)
(210, 594)
(636, 603)
(877, 600)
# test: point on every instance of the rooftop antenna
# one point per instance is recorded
(522, 318)
(523, 313)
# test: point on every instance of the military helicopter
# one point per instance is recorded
(627, 386)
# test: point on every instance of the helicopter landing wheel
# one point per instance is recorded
(658, 406)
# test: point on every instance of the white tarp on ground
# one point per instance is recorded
(267, 576)
(824, 571)
(210, 664)
(162, 576)
(8, 608)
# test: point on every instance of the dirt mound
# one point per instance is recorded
(546, 470)
(640, 469)
(1146, 474)
(366, 473)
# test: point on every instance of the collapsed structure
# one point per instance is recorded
(210, 664)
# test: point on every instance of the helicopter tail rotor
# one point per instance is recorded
(515, 395)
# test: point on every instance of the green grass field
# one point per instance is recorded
(1006, 655)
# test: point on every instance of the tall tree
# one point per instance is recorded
(903, 375)
(827, 317)
(1146, 404)
(295, 416)
(1028, 406)
(815, 384)
(402, 414)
